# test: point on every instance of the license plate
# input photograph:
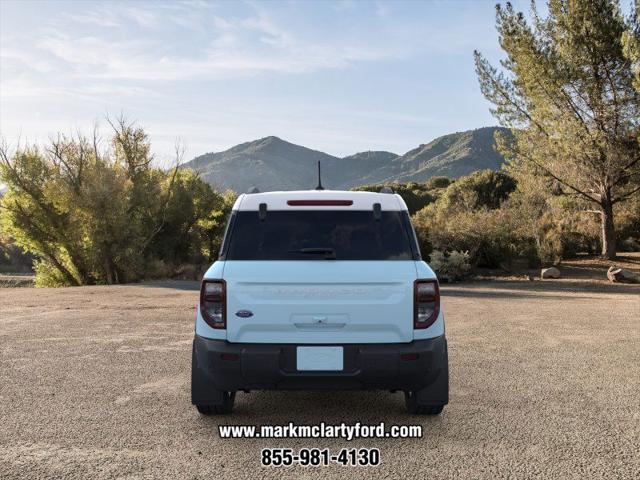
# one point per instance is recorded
(320, 358)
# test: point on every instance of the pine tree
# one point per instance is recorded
(566, 89)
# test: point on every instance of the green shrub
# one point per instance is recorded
(485, 234)
(415, 195)
(450, 266)
(435, 183)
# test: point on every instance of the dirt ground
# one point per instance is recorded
(582, 268)
(545, 382)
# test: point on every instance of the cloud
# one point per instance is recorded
(141, 16)
(129, 42)
(227, 55)
(99, 17)
(129, 51)
(111, 16)
(233, 46)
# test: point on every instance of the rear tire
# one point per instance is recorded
(226, 407)
(414, 408)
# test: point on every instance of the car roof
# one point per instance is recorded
(359, 200)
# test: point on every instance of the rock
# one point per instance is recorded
(551, 272)
(621, 275)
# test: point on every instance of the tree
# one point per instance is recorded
(89, 216)
(566, 89)
(211, 227)
(481, 189)
(631, 40)
(194, 221)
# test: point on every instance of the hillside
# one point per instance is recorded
(271, 163)
(268, 163)
(366, 161)
(453, 156)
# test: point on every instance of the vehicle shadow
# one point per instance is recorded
(309, 408)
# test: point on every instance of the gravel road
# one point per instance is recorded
(545, 382)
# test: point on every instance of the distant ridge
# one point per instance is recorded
(271, 163)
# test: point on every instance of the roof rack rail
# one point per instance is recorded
(386, 190)
(253, 190)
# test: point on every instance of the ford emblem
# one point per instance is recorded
(244, 313)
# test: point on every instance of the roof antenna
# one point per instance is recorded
(319, 187)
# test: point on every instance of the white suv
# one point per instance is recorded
(320, 290)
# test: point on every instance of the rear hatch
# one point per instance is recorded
(320, 301)
(320, 276)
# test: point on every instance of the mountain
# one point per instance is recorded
(268, 164)
(362, 164)
(271, 163)
(371, 158)
(453, 156)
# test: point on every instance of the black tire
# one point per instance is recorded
(226, 407)
(414, 408)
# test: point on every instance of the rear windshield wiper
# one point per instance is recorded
(327, 251)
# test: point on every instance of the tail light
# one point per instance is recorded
(426, 303)
(213, 304)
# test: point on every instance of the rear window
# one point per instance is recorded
(319, 235)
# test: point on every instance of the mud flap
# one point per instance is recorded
(203, 391)
(438, 392)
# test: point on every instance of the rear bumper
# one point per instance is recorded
(220, 365)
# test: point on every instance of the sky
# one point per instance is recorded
(340, 77)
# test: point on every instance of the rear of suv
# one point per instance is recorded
(320, 290)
